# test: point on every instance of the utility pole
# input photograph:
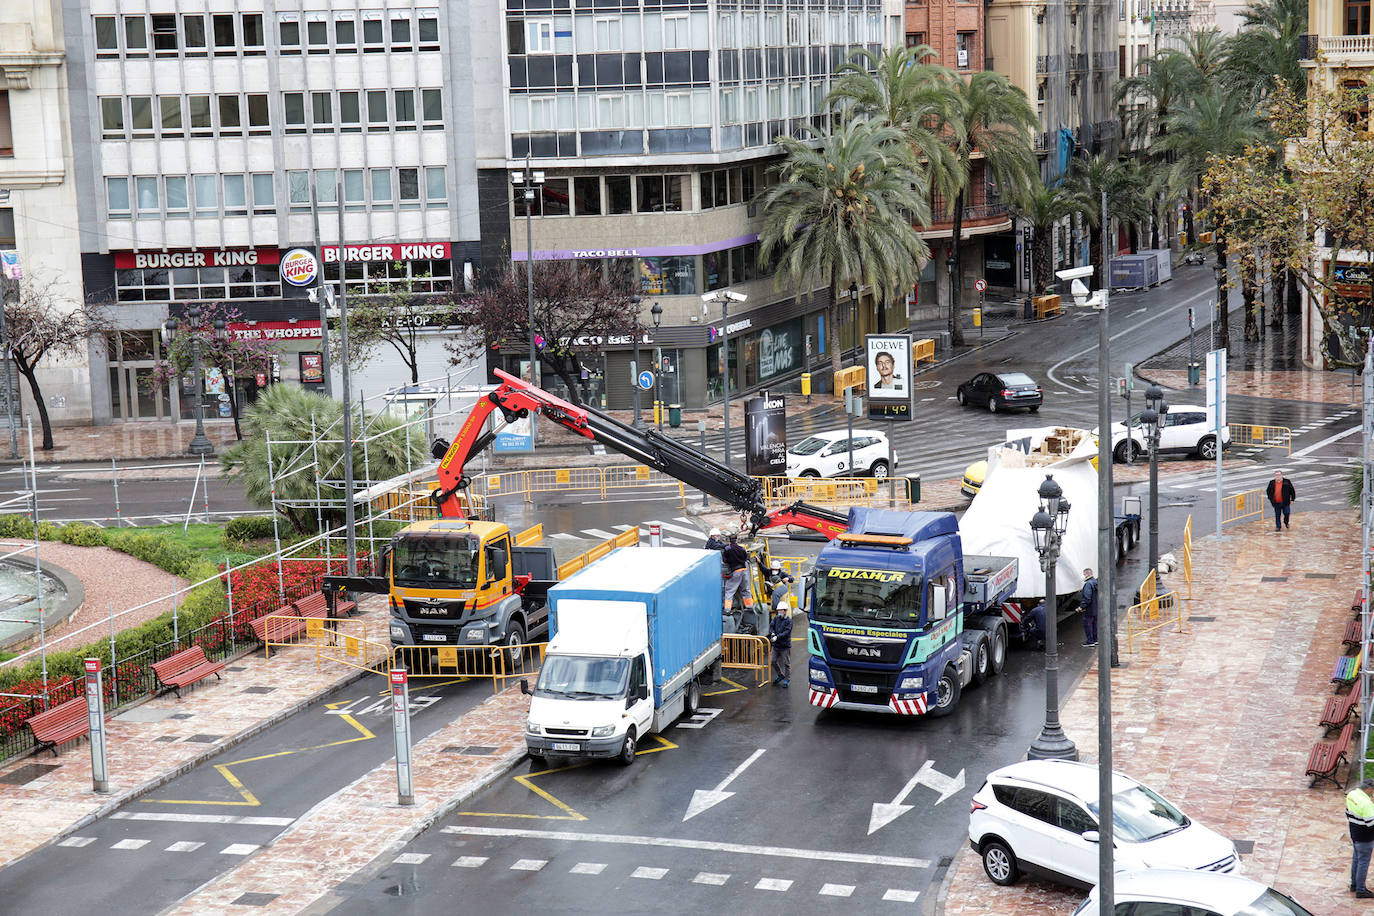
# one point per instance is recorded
(8, 287)
(320, 283)
(350, 535)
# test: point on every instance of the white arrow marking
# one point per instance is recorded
(702, 799)
(885, 813)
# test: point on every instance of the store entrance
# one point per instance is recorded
(134, 395)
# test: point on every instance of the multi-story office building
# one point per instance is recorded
(37, 193)
(211, 138)
(652, 125)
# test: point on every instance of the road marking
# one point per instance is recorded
(836, 890)
(711, 878)
(669, 526)
(410, 858)
(702, 717)
(587, 868)
(703, 799)
(171, 817)
(736, 687)
(598, 533)
(1327, 441)
(470, 862)
(773, 884)
(885, 813)
(184, 846)
(901, 896)
(650, 874)
(1151, 320)
(130, 844)
(76, 842)
(784, 852)
(529, 865)
(239, 849)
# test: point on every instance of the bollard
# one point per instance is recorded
(655, 536)
(400, 714)
(701, 428)
(95, 709)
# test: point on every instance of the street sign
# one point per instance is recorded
(1216, 389)
(646, 379)
(95, 711)
(981, 285)
(400, 711)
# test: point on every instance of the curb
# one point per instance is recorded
(186, 766)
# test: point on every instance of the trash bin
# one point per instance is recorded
(674, 415)
(806, 384)
(914, 487)
(1194, 374)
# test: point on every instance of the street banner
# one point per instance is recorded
(889, 363)
(1216, 389)
(765, 422)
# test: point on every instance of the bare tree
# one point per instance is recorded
(398, 318)
(42, 321)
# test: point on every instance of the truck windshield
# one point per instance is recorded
(867, 596)
(432, 561)
(582, 677)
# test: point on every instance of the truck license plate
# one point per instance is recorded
(863, 688)
(563, 746)
(435, 637)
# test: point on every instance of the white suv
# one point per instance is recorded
(1163, 891)
(1185, 432)
(1041, 816)
(827, 455)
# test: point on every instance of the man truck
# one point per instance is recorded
(635, 635)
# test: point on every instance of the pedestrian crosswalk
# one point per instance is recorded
(133, 844)
(1318, 484)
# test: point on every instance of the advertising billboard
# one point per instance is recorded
(889, 376)
(765, 422)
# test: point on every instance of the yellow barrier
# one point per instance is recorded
(852, 377)
(1242, 506)
(923, 349)
(624, 539)
(349, 645)
(1188, 555)
(833, 491)
(1262, 436)
(500, 663)
(531, 535)
(564, 480)
(637, 476)
(1048, 306)
(1146, 616)
(747, 653)
(283, 630)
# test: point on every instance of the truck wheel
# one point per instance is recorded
(947, 690)
(982, 659)
(1000, 863)
(627, 750)
(997, 653)
(693, 700)
(514, 653)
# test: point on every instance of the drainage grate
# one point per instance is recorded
(165, 738)
(945, 862)
(181, 715)
(1201, 619)
(253, 899)
(1319, 575)
(205, 739)
(1244, 847)
(475, 750)
(238, 668)
(28, 773)
(257, 690)
(1273, 578)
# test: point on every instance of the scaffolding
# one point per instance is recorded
(1366, 553)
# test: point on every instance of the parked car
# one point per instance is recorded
(1185, 432)
(827, 455)
(1040, 816)
(1164, 891)
(973, 478)
(1001, 391)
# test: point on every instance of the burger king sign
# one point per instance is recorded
(299, 267)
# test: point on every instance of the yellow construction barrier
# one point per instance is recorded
(638, 476)
(564, 480)
(624, 539)
(348, 644)
(853, 377)
(923, 349)
(1249, 504)
(747, 653)
(1262, 436)
(835, 491)
(1157, 612)
(531, 535)
(499, 663)
(1188, 555)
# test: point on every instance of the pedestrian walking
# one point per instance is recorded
(1359, 811)
(780, 634)
(1087, 600)
(736, 560)
(1280, 494)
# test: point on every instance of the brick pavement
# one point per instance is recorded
(1221, 718)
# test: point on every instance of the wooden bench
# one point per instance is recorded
(1346, 670)
(185, 668)
(63, 723)
(1327, 757)
(1357, 603)
(1352, 635)
(307, 606)
(1338, 709)
(285, 624)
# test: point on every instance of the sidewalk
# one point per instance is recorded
(1220, 718)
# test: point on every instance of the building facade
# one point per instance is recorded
(652, 125)
(210, 139)
(38, 212)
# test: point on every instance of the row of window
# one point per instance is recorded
(144, 117)
(227, 34)
(681, 31)
(184, 284)
(211, 196)
(613, 195)
(377, 277)
(683, 275)
(658, 108)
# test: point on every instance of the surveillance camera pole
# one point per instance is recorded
(1107, 657)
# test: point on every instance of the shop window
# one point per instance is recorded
(264, 193)
(225, 43)
(111, 118)
(289, 33)
(117, 198)
(206, 189)
(587, 194)
(165, 35)
(175, 188)
(350, 115)
(198, 116)
(106, 37)
(254, 41)
(259, 122)
(436, 189)
(667, 276)
(141, 116)
(618, 199)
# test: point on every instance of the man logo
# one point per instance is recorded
(863, 652)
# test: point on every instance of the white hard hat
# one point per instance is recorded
(715, 532)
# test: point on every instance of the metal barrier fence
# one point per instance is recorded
(747, 653)
(834, 491)
(1248, 504)
(346, 642)
(1262, 437)
(624, 539)
(500, 663)
(1188, 555)
(1147, 616)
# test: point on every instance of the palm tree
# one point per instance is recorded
(1121, 180)
(845, 212)
(1043, 206)
(993, 124)
(1264, 54)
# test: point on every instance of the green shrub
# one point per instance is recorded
(47, 531)
(248, 528)
(15, 526)
(81, 534)
(165, 554)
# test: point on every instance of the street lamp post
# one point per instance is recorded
(638, 421)
(529, 181)
(657, 312)
(724, 297)
(1048, 526)
(200, 443)
(1152, 422)
(854, 319)
(1220, 273)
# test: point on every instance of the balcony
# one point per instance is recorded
(979, 219)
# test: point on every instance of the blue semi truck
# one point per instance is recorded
(900, 620)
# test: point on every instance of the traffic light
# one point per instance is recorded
(1121, 387)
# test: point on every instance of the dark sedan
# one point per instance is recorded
(1001, 391)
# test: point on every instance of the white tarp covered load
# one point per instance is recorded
(998, 521)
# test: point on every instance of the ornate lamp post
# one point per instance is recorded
(854, 317)
(1220, 273)
(1048, 526)
(657, 312)
(1152, 423)
(200, 443)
